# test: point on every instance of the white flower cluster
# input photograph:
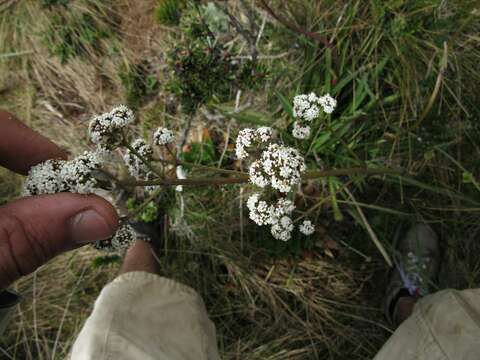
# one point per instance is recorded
(106, 129)
(301, 132)
(306, 108)
(279, 166)
(275, 215)
(54, 176)
(247, 138)
(307, 228)
(121, 241)
(163, 136)
(136, 166)
(278, 216)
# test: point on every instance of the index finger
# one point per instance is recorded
(21, 147)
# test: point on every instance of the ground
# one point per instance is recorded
(405, 74)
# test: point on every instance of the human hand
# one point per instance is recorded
(33, 230)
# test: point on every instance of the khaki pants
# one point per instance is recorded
(141, 316)
(444, 325)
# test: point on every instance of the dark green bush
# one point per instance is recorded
(204, 69)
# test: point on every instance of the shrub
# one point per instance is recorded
(205, 69)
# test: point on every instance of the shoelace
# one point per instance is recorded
(411, 271)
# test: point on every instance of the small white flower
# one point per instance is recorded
(121, 241)
(300, 132)
(44, 178)
(245, 139)
(328, 103)
(307, 228)
(76, 175)
(283, 165)
(257, 176)
(163, 136)
(122, 116)
(106, 129)
(282, 207)
(259, 211)
(264, 134)
(282, 229)
(54, 176)
(305, 107)
(136, 167)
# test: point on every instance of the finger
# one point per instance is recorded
(34, 230)
(21, 147)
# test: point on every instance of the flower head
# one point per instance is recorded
(248, 138)
(306, 107)
(276, 215)
(135, 165)
(76, 175)
(328, 103)
(300, 132)
(264, 134)
(121, 241)
(122, 116)
(307, 228)
(282, 229)
(44, 178)
(283, 166)
(259, 211)
(54, 176)
(106, 129)
(245, 139)
(163, 136)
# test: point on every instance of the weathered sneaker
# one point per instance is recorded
(417, 261)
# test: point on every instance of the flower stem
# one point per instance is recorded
(242, 179)
(142, 159)
(199, 166)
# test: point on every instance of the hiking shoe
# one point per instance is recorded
(417, 260)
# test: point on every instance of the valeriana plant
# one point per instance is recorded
(276, 170)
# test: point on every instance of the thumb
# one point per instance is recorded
(33, 230)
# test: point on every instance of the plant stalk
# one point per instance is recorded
(242, 179)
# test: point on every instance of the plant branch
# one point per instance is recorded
(206, 181)
(142, 159)
(199, 166)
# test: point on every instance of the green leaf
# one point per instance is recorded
(287, 105)
(246, 116)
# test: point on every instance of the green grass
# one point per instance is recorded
(139, 83)
(73, 36)
(169, 12)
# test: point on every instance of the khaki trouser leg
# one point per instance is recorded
(445, 325)
(144, 316)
